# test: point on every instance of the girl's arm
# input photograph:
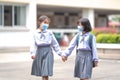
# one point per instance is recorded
(94, 49)
(33, 46)
(71, 46)
(55, 45)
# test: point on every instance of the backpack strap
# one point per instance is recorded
(77, 41)
(77, 38)
(90, 40)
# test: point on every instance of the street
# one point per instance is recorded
(20, 70)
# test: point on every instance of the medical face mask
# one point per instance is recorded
(80, 29)
(44, 26)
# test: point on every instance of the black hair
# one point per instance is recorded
(41, 19)
(86, 24)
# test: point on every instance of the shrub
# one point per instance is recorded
(118, 39)
(108, 38)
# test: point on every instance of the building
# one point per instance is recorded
(18, 17)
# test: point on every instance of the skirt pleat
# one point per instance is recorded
(83, 64)
(43, 62)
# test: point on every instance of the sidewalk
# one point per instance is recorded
(18, 57)
(25, 56)
(14, 57)
(17, 66)
(22, 56)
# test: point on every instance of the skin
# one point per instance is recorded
(96, 63)
(64, 58)
(45, 78)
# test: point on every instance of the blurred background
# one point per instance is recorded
(18, 19)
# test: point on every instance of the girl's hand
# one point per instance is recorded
(95, 63)
(64, 58)
(33, 56)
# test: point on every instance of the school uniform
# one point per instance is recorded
(85, 54)
(42, 44)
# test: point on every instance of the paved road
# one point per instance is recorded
(15, 67)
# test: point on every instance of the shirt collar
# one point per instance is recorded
(85, 34)
(38, 30)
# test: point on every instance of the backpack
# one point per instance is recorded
(90, 44)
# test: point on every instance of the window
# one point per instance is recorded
(0, 15)
(19, 16)
(8, 16)
(12, 15)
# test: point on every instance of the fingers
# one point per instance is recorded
(33, 57)
(95, 63)
(64, 58)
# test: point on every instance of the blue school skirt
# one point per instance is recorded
(43, 62)
(83, 64)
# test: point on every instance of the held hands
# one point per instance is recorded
(64, 58)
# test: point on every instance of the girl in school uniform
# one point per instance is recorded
(41, 49)
(86, 54)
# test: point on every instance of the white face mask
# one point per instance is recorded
(80, 28)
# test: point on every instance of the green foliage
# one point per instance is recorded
(118, 39)
(108, 38)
